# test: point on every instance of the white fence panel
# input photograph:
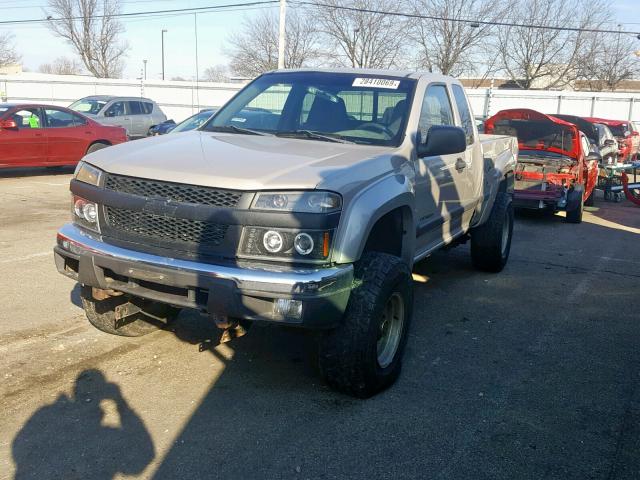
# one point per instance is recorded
(181, 99)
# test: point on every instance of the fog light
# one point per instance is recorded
(90, 213)
(303, 243)
(285, 307)
(272, 241)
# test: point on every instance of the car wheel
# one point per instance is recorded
(591, 199)
(575, 214)
(364, 354)
(149, 317)
(491, 241)
(96, 146)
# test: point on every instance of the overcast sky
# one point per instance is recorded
(37, 45)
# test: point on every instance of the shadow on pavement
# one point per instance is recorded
(92, 435)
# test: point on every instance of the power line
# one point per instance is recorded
(460, 20)
(143, 13)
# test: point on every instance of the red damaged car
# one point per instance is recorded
(48, 136)
(555, 169)
(627, 136)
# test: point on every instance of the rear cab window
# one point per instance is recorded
(466, 117)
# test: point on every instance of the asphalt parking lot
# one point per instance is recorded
(530, 374)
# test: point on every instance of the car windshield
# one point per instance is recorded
(88, 105)
(334, 107)
(192, 122)
(619, 130)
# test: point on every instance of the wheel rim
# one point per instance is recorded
(390, 332)
(506, 227)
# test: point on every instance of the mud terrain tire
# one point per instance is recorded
(357, 358)
(491, 241)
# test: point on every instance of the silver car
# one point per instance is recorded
(135, 114)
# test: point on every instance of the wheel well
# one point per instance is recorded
(388, 233)
(104, 142)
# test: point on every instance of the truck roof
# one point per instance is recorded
(415, 74)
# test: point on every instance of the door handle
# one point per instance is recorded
(460, 164)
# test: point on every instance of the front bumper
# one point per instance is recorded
(237, 290)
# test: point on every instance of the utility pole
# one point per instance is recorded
(163, 32)
(283, 31)
(145, 68)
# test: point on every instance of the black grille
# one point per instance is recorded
(177, 192)
(166, 229)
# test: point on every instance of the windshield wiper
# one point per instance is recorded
(325, 137)
(236, 129)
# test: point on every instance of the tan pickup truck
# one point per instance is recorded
(304, 201)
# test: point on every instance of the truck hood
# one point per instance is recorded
(234, 161)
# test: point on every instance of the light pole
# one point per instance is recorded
(282, 33)
(163, 32)
(145, 68)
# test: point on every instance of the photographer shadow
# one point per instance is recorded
(93, 434)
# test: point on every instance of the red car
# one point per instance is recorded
(556, 169)
(47, 136)
(627, 136)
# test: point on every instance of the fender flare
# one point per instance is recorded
(369, 206)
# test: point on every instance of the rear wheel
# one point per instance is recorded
(491, 241)
(149, 316)
(95, 147)
(364, 354)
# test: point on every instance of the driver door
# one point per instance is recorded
(441, 180)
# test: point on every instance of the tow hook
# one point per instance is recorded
(231, 328)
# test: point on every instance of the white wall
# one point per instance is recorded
(181, 99)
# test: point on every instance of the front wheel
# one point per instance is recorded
(147, 316)
(364, 354)
(491, 241)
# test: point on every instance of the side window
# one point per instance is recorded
(27, 118)
(58, 118)
(78, 120)
(436, 110)
(586, 146)
(147, 107)
(465, 112)
(135, 108)
(115, 110)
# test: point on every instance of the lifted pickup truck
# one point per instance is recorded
(556, 168)
(304, 201)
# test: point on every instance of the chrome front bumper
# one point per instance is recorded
(240, 290)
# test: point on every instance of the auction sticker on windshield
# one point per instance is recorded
(376, 83)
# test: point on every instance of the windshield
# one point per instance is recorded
(192, 122)
(87, 105)
(619, 130)
(321, 106)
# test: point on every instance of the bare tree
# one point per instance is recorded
(361, 38)
(547, 57)
(8, 54)
(92, 28)
(453, 47)
(609, 60)
(254, 49)
(62, 66)
(217, 73)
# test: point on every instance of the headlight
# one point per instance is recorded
(286, 244)
(85, 213)
(300, 202)
(88, 174)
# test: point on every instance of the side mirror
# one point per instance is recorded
(442, 140)
(609, 142)
(8, 125)
(594, 156)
